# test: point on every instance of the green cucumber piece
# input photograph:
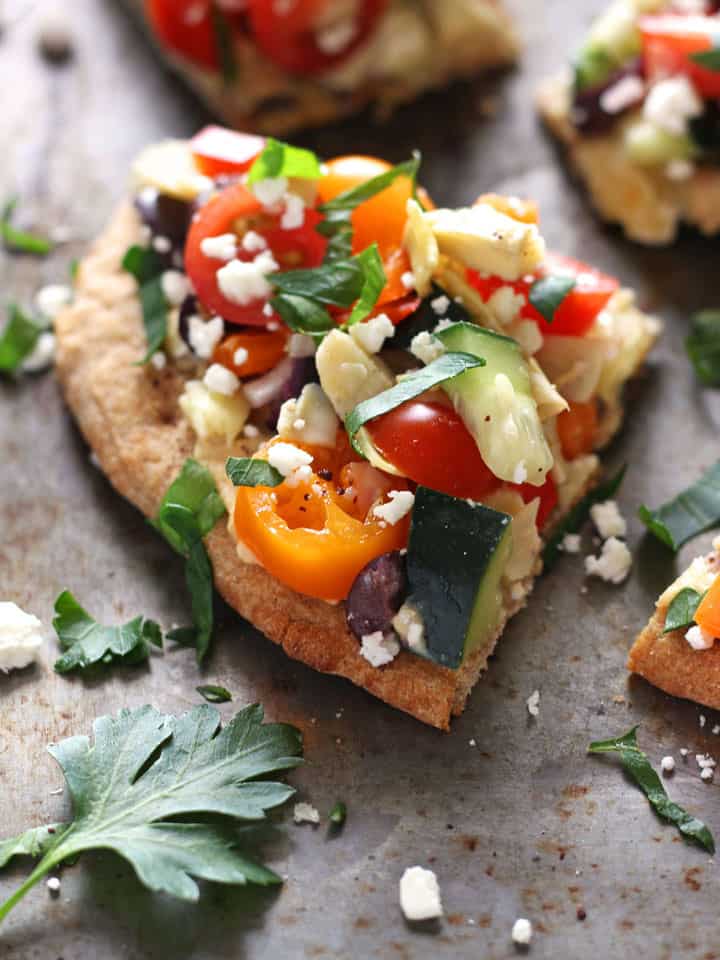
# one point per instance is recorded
(649, 146)
(501, 416)
(456, 556)
(613, 40)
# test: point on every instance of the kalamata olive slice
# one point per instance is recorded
(589, 112)
(377, 594)
(166, 216)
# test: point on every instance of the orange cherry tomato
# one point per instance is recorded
(307, 536)
(707, 614)
(264, 348)
(217, 150)
(577, 429)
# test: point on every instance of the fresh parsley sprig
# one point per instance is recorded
(147, 267)
(147, 769)
(20, 241)
(17, 339)
(214, 694)
(252, 472)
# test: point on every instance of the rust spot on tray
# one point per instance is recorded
(456, 919)
(627, 925)
(469, 842)
(575, 790)
(363, 923)
(484, 921)
(691, 878)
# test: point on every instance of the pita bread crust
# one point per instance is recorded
(647, 204)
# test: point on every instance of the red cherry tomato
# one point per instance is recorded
(186, 27)
(577, 312)
(668, 44)
(217, 150)
(236, 210)
(548, 498)
(291, 33)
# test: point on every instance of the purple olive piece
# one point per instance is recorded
(587, 112)
(283, 382)
(377, 594)
(166, 216)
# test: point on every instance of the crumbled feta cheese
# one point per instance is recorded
(699, 639)
(371, 334)
(20, 639)
(522, 931)
(336, 37)
(218, 379)
(622, 94)
(701, 720)
(299, 424)
(408, 280)
(222, 247)
(161, 244)
(472, 742)
(301, 345)
(175, 287)
(613, 564)
(250, 431)
(42, 354)
(571, 543)
(667, 764)
(533, 703)
(379, 649)
(704, 761)
(670, 103)
(679, 169)
(401, 503)
(409, 625)
(243, 281)
(253, 242)
(426, 347)
(305, 813)
(158, 360)
(294, 213)
(420, 894)
(528, 335)
(520, 472)
(204, 337)
(268, 311)
(240, 356)
(52, 298)
(287, 458)
(440, 304)
(707, 773)
(270, 191)
(505, 304)
(608, 520)
(684, 752)
(53, 884)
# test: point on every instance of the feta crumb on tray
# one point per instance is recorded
(420, 894)
(20, 637)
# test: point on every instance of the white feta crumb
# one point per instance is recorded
(161, 244)
(51, 298)
(701, 720)
(286, 458)
(204, 337)
(293, 216)
(253, 242)
(401, 503)
(472, 742)
(679, 169)
(670, 103)
(222, 247)
(175, 287)
(684, 752)
(336, 37)
(250, 430)
(506, 305)
(218, 379)
(53, 884)
(699, 639)
(667, 764)
(707, 773)
(533, 703)
(271, 191)
(159, 360)
(622, 94)
(410, 627)
(240, 356)
(42, 354)
(20, 638)
(528, 335)
(440, 304)
(522, 931)
(571, 543)
(426, 347)
(716, 729)
(372, 334)
(408, 280)
(301, 345)
(520, 473)
(268, 311)
(243, 281)
(420, 894)
(613, 564)
(608, 520)
(305, 813)
(379, 649)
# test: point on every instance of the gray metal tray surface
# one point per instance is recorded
(522, 823)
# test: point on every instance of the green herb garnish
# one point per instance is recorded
(692, 512)
(214, 694)
(85, 642)
(146, 266)
(17, 339)
(283, 160)
(147, 769)
(703, 346)
(338, 814)
(710, 59)
(575, 519)
(636, 765)
(446, 367)
(373, 283)
(20, 241)
(548, 293)
(249, 472)
(681, 612)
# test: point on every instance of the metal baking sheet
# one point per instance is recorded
(522, 823)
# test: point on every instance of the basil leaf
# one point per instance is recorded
(710, 59)
(575, 519)
(85, 642)
(352, 198)
(249, 472)
(283, 160)
(337, 227)
(548, 293)
(193, 488)
(17, 339)
(373, 283)
(224, 45)
(301, 314)
(184, 636)
(146, 266)
(446, 367)
(143, 263)
(338, 284)
(703, 346)
(690, 513)
(338, 814)
(681, 612)
(20, 240)
(214, 694)
(637, 766)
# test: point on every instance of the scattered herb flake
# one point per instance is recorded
(20, 241)
(703, 346)
(692, 512)
(17, 339)
(249, 472)
(547, 293)
(373, 282)
(710, 59)
(214, 694)
(681, 612)
(637, 766)
(338, 814)
(146, 266)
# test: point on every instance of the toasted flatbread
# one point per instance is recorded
(417, 47)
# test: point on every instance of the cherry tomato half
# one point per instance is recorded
(577, 429)
(217, 150)
(301, 37)
(263, 349)
(707, 615)
(186, 27)
(669, 43)
(577, 312)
